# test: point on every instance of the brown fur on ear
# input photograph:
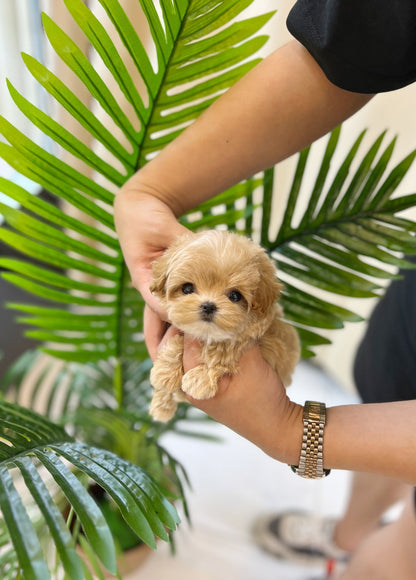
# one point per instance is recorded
(269, 288)
(160, 275)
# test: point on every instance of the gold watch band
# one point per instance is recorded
(311, 461)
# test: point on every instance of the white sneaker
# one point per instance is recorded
(298, 536)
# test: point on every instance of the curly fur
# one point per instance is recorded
(220, 288)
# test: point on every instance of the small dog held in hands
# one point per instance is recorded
(220, 288)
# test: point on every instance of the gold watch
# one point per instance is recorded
(311, 461)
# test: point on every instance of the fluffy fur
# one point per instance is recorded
(221, 288)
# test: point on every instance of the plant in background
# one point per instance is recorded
(98, 390)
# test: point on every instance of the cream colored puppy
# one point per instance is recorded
(220, 288)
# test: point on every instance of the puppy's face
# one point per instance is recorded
(216, 285)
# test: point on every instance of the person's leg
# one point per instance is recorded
(362, 516)
(389, 553)
(384, 371)
(308, 538)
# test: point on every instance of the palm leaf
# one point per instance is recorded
(28, 442)
(198, 68)
(348, 240)
(348, 236)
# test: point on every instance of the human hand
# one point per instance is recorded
(254, 404)
(145, 227)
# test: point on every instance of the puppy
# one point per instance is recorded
(220, 288)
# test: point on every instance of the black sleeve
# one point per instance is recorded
(366, 46)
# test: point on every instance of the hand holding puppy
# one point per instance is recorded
(158, 227)
(253, 403)
(220, 288)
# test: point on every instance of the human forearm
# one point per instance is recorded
(378, 438)
(281, 106)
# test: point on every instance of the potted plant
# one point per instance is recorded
(81, 398)
(99, 390)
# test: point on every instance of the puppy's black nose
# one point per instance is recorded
(208, 310)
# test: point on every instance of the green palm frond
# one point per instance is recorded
(200, 53)
(348, 237)
(30, 444)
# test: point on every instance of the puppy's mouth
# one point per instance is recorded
(205, 321)
(207, 311)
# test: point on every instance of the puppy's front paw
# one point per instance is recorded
(167, 372)
(165, 378)
(198, 385)
(163, 408)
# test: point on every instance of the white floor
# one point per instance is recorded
(232, 483)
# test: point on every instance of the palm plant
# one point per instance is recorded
(99, 389)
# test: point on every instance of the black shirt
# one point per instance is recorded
(365, 46)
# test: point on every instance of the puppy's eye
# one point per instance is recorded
(234, 296)
(188, 288)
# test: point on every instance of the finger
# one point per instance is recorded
(171, 331)
(191, 353)
(142, 283)
(154, 329)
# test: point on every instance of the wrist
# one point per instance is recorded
(311, 459)
(135, 191)
(141, 188)
(285, 443)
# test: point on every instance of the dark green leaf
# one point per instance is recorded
(334, 192)
(327, 273)
(392, 182)
(359, 177)
(372, 179)
(363, 248)
(293, 194)
(22, 533)
(56, 524)
(90, 516)
(41, 175)
(321, 177)
(52, 236)
(346, 258)
(52, 278)
(52, 257)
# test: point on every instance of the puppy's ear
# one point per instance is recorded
(269, 288)
(160, 275)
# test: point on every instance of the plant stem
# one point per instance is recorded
(118, 384)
